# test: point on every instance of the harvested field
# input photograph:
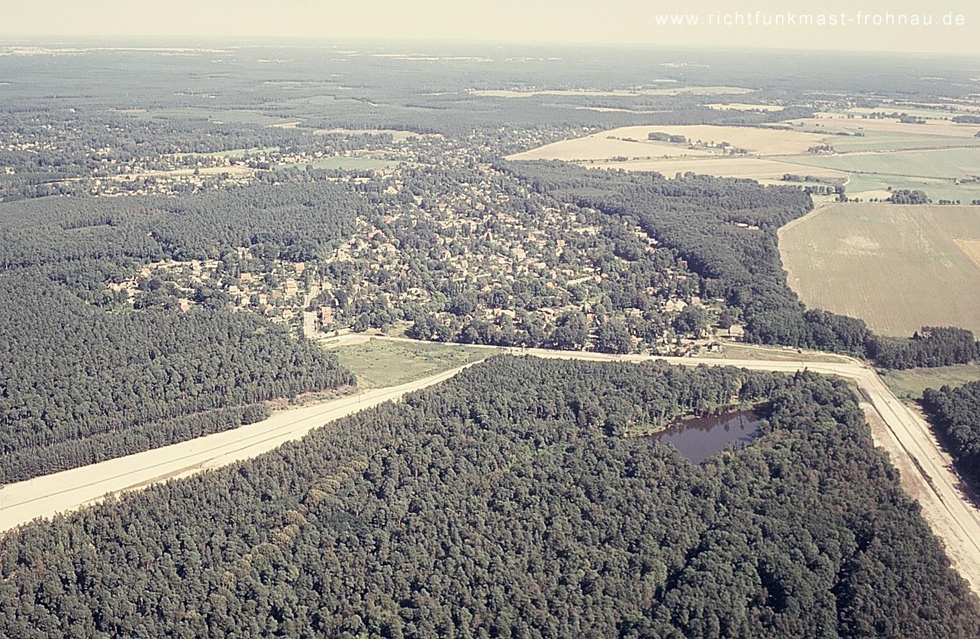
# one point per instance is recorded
(633, 151)
(971, 248)
(841, 122)
(607, 145)
(896, 267)
(943, 163)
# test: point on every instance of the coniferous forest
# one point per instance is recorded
(187, 233)
(85, 380)
(503, 503)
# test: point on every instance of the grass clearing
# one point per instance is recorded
(382, 363)
(896, 267)
(770, 353)
(908, 385)
(938, 163)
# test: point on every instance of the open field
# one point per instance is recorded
(864, 184)
(910, 384)
(622, 93)
(896, 267)
(757, 140)
(777, 354)
(945, 163)
(971, 248)
(383, 363)
(351, 163)
(879, 141)
(842, 122)
(629, 142)
(748, 167)
(873, 155)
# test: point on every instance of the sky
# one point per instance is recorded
(530, 21)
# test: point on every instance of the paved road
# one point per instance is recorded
(927, 473)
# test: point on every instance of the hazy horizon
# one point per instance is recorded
(507, 22)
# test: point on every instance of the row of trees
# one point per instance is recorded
(504, 503)
(955, 413)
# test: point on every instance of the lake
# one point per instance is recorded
(697, 439)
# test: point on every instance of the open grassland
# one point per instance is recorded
(844, 122)
(771, 171)
(381, 363)
(776, 354)
(944, 163)
(896, 267)
(910, 384)
(627, 142)
(757, 140)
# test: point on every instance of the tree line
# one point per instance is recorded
(955, 413)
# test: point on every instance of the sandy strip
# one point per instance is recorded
(72, 489)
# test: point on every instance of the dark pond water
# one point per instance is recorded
(698, 439)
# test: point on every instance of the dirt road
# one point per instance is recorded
(71, 489)
(927, 473)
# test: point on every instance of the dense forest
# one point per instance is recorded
(293, 220)
(725, 229)
(504, 503)
(71, 371)
(86, 378)
(955, 413)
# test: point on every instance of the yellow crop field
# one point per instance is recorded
(896, 267)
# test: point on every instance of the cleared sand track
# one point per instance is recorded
(72, 489)
(926, 471)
